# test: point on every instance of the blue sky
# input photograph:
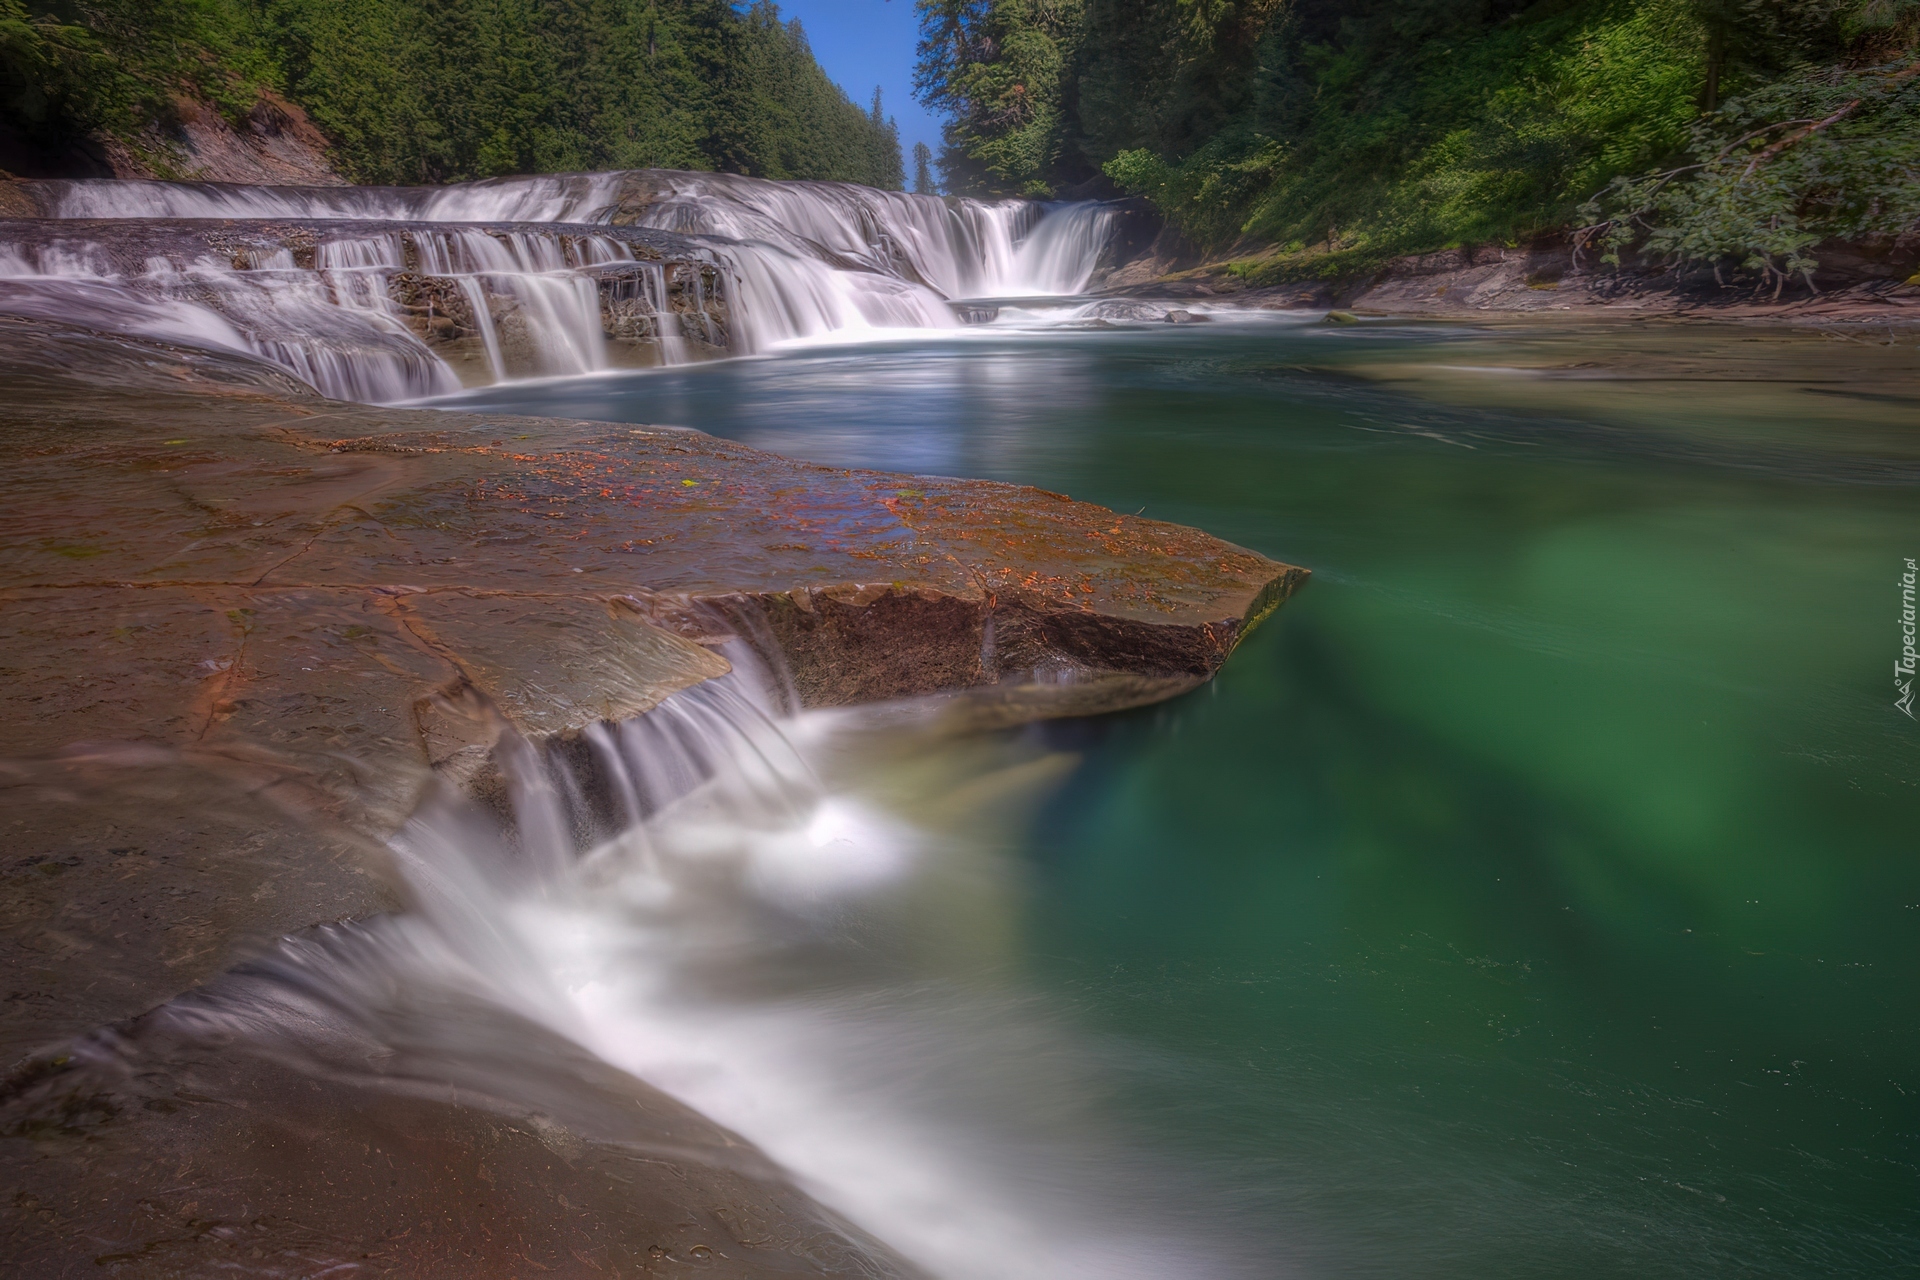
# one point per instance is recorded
(863, 43)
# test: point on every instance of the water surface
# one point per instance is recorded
(1536, 894)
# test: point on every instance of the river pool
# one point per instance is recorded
(1537, 894)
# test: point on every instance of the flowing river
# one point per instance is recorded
(1538, 896)
(1535, 895)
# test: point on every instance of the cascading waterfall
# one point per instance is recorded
(566, 197)
(338, 320)
(958, 248)
(726, 929)
(548, 275)
(819, 259)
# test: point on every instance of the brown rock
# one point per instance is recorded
(293, 597)
(240, 626)
(167, 1148)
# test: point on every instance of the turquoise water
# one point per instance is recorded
(1538, 893)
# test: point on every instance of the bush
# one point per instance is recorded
(1825, 154)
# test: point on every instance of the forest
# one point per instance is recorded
(1318, 137)
(414, 91)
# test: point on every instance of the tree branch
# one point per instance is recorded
(1775, 148)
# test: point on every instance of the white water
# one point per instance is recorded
(798, 261)
(335, 324)
(739, 943)
(566, 197)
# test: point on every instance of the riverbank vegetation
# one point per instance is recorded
(1319, 137)
(440, 90)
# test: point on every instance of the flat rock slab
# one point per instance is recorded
(285, 599)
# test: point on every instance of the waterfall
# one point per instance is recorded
(333, 326)
(715, 898)
(387, 294)
(567, 197)
(959, 248)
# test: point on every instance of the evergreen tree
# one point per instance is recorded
(923, 170)
(889, 174)
(440, 90)
(996, 69)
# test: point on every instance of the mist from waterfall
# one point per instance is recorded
(796, 261)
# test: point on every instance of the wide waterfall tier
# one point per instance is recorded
(380, 311)
(376, 311)
(391, 293)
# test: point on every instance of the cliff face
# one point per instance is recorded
(276, 145)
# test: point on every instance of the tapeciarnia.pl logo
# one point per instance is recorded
(1903, 667)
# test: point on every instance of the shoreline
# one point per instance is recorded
(1855, 285)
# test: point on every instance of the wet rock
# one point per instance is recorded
(294, 595)
(1183, 317)
(213, 1137)
(1125, 309)
(16, 201)
(241, 628)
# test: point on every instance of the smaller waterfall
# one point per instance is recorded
(557, 306)
(783, 296)
(811, 260)
(715, 898)
(1060, 255)
(957, 247)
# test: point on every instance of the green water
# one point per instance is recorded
(1538, 894)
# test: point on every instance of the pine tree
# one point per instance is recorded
(923, 170)
(440, 90)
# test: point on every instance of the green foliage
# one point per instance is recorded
(49, 70)
(1484, 134)
(1170, 75)
(1824, 154)
(439, 90)
(72, 67)
(1401, 135)
(1350, 131)
(1209, 192)
(923, 184)
(778, 116)
(996, 68)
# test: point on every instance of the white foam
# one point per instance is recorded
(802, 262)
(749, 946)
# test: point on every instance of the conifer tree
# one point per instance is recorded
(441, 90)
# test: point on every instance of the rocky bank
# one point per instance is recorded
(1868, 283)
(244, 626)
